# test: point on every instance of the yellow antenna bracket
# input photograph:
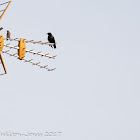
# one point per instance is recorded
(22, 49)
(1, 42)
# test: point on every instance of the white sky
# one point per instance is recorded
(94, 92)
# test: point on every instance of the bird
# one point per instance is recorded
(1, 28)
(51, 39)
(8, 34)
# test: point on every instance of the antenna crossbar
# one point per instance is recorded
(30, 41)
(1, 10)
(31, 51)
(29, 61)
(4, 3)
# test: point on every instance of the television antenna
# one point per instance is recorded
(21, 47)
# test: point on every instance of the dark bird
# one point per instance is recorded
(1, 28)
(51, 39)
(8, 35)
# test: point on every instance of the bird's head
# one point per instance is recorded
(49, 33)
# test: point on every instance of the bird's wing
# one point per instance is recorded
(48, 38)
(53, 39)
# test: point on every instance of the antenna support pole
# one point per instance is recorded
(3, 63)
(5, 10)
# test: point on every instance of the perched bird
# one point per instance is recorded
(51, 39)
(8, 35)
(1, 28)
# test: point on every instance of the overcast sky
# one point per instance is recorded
(94, 92)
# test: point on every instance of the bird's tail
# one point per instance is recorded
(54, 46)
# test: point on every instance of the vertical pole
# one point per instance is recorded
(3, 63)
(5, 10)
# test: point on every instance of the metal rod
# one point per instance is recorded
(31, 41)
(1, 10)
(29, 61)
(31, 51)
(5, 10)
(4, 3)
(3, 63)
